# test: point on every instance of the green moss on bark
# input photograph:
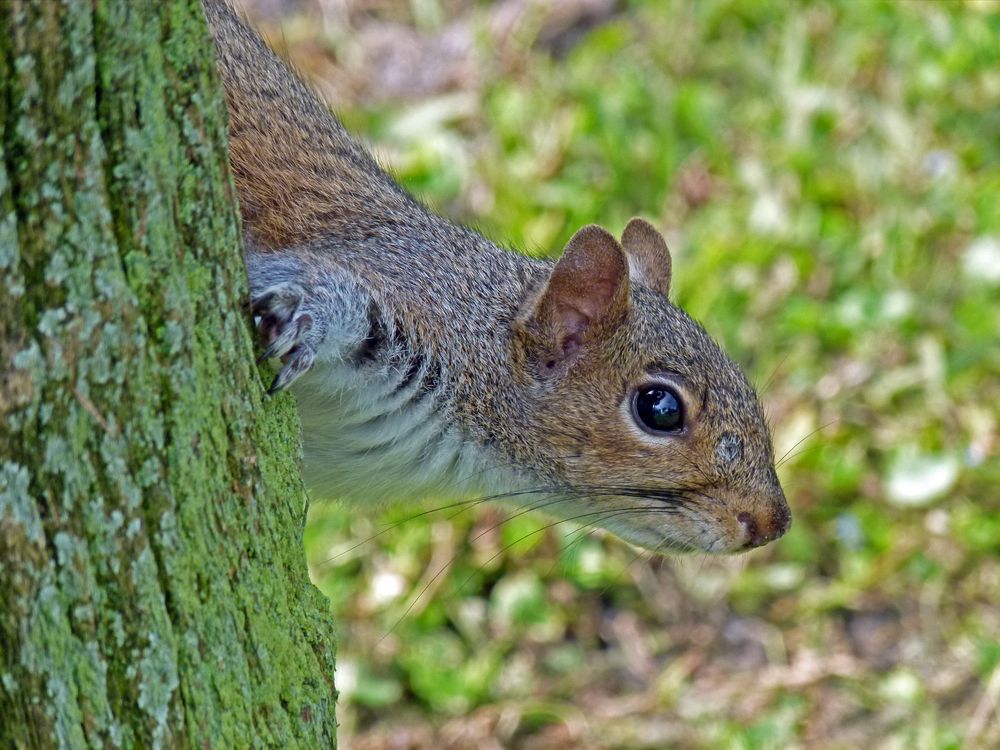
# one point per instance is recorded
(153, 587)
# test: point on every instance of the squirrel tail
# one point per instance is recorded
(298, 172)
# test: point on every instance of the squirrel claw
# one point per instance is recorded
(286, 337)
(285, 331)
(298, 362)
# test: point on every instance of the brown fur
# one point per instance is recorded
(286, 150)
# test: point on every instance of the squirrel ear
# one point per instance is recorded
(648, 255)
(586, 293)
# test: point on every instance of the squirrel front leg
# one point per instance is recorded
(304, 311)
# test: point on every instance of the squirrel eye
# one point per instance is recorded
(658, 409)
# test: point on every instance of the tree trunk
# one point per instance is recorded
(153, 585)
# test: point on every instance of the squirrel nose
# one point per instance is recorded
(765, 527)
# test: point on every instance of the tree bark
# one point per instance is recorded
(153, 585)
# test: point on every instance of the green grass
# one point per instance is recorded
(829, 179)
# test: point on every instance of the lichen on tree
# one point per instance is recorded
(153, 585)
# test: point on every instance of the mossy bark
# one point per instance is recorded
(153, 585)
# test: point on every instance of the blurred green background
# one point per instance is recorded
(828, 177)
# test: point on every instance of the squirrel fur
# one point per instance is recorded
(428, 362)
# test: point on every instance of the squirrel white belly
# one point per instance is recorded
(428, 362)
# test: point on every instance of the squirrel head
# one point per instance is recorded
(655, 434)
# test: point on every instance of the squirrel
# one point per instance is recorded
(429, 362)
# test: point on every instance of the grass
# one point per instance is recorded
(829, 179)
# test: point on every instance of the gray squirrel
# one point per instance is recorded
(428, 362)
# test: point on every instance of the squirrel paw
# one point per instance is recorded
(284, 328)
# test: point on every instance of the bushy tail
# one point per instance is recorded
(298, 173)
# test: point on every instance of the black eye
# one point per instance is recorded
(658, 409)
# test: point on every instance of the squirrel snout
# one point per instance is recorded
(765, 526)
